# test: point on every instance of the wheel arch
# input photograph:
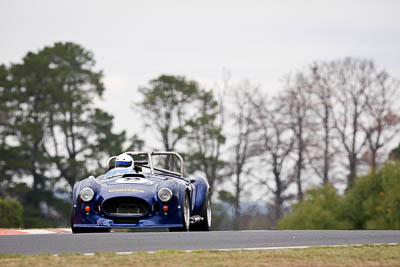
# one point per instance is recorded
(202, 191)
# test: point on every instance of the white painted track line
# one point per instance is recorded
(35, 231)
(255, 249)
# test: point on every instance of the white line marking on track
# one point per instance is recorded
(261, 248)
(37, 232)
(34, 231)
(253, 249)
(124, 253)
(300, 247)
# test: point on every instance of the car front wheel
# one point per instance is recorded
(185, 208)
(205, 212)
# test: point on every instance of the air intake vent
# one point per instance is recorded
(125, 206)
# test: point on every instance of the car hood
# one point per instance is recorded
(135, 185)
(114, 184)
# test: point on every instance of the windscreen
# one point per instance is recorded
(168, 162)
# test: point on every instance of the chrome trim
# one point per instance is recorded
(170, 194)
(86, 188)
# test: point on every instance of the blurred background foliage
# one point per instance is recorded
(11, 212)
(273, 162)
(373, 203)
(320, 209)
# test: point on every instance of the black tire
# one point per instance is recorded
(185, 209)
(78, 230)
(205, 212)
(75, 230)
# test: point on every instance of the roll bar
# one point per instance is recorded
(150, 160)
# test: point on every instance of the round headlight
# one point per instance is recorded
(165, 194)
(86, 194)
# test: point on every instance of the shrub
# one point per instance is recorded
(320, 209)
(374, 201)
(10, 213)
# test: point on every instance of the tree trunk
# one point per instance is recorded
(236, 224)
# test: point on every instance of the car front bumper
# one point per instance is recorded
(129, 226)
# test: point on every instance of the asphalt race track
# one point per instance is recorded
(151, 241)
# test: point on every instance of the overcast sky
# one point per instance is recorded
(135, 41)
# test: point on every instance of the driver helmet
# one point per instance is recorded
(124, 161)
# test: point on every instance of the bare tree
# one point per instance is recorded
(351, 95)
(276, 143)
(383, 115)
(321, 83)
(296, 101)
(354, 104)
(242, 117)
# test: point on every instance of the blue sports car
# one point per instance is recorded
(142, 190)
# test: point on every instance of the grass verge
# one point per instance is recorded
(366, 255)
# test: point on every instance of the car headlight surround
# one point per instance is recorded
(164, 194)
(86, 194)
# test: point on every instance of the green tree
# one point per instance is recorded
(166, 107)
(51, 211)
(10, 213)
(395, 153)
(361, 201)
(181, 113)
(77, 131)
(21, 142)
(374, 202)
(10, 163)
(25, 104)
(51, 130)
(320, 209)
(58, 86)
(205, 138)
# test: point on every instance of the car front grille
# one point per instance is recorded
(125, 206)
